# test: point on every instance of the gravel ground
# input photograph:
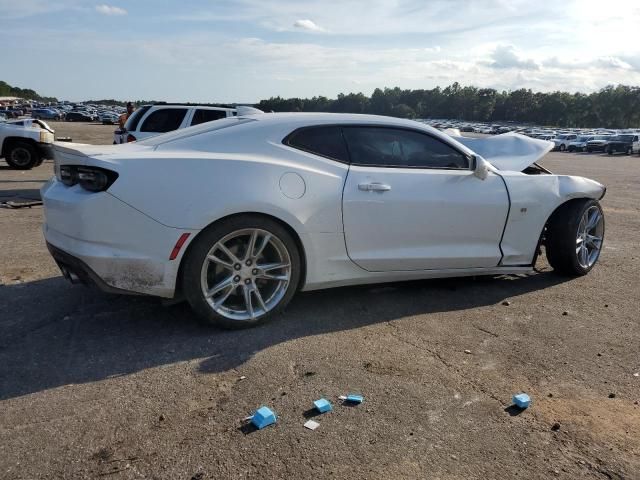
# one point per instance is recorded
(93, 385)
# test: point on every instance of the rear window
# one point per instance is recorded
(164, 120)
(324, 141)
(195, 130)
(203, 116)
(133, 121)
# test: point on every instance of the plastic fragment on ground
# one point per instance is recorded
(323, 405)
(263, 418)
(521, 400)
(311, 425)
(352, 398)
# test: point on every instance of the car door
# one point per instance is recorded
(412, 202)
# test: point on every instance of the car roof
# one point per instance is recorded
(290, 121)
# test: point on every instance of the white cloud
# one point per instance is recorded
(307, 24)
(506, 56)
(110, 10)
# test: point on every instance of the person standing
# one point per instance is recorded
(125, 116)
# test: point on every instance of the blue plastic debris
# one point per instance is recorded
(263, 418)
(521, 400)
(354, 398)
(323, 405)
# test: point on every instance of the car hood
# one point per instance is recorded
(509, 151)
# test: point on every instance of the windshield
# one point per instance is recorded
(583, 138)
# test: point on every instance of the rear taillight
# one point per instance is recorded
(68, 175)
(131, 138)
(93, 179)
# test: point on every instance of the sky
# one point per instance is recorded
(246, 50)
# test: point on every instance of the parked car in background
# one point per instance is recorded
(579, 144)
(561, 142)
(108, 118)
(240, 213)
(24, 144)
(9, 113)
(3, 117)
(150, 120)
(621, 144)
(45, 114)
(78, 116)
(597, 143)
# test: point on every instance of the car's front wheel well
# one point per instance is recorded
(9, 141)
(546, 232)
(285, 225)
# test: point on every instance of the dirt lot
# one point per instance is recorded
(95, 386)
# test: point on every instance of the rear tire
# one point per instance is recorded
(22, 156)
(249, 290)
(571, 246)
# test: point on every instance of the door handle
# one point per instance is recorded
(374, 187)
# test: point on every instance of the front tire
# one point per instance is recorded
(562, 148)
(22, 156)
(574, 237)
(240, 272)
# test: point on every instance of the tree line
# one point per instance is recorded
(611, 107)
(7, 90)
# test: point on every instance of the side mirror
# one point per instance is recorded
(480, 167)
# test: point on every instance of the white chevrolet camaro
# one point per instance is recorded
(238, 214)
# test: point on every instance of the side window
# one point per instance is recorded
(392, 147)
(133, 121)
(202, 116)
(323, 141)
(164, 120)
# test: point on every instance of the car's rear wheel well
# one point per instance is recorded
(285, 225)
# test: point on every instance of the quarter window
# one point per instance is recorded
(164, 120)
(324, 141)
(393, 147)
(202, 116)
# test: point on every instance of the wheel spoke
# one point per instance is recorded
(252, 245)
(260, 300)
(594, 219)
(268, 276)
(223, 298)
(226, 283)
(221, 262)
(267, 267)
(594, 241)
(247, 300)
(227, 252)
(265, 241)
(584, 256)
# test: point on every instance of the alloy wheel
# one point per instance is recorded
(589, 237)
(246, 274)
